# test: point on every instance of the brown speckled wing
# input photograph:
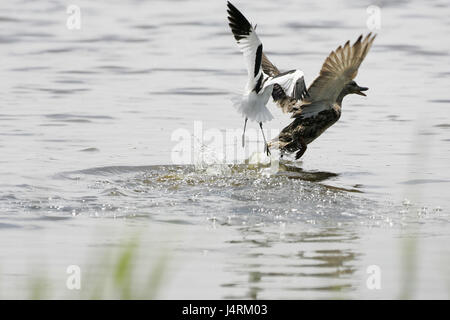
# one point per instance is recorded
(340, 67)
(268, 67)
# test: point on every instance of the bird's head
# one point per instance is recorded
(352, 87)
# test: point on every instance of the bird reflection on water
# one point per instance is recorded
(321, 261)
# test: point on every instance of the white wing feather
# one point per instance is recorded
(287, 81)
(249, 47)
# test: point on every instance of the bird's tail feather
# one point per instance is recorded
(251, 108)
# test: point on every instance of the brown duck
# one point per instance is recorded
(321, 107)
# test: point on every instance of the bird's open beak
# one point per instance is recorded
(360, 89)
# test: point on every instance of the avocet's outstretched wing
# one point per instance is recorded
(292, 82)
(289, 86)
(250, 45)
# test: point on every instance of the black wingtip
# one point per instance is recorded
(278, 92)
(239, 25)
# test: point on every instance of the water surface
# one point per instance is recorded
(86, 124)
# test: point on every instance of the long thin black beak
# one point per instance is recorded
(360, 89)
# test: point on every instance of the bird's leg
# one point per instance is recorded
(302, 145)
(266, 146)
(243, 134)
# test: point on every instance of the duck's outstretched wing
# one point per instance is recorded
(268, 67)
(340, 67)
(250, 45)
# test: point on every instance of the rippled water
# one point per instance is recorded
(86, 124)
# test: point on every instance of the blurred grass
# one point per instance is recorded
(124, 269)
(409, 263)
(121, 273)
(38, 288)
